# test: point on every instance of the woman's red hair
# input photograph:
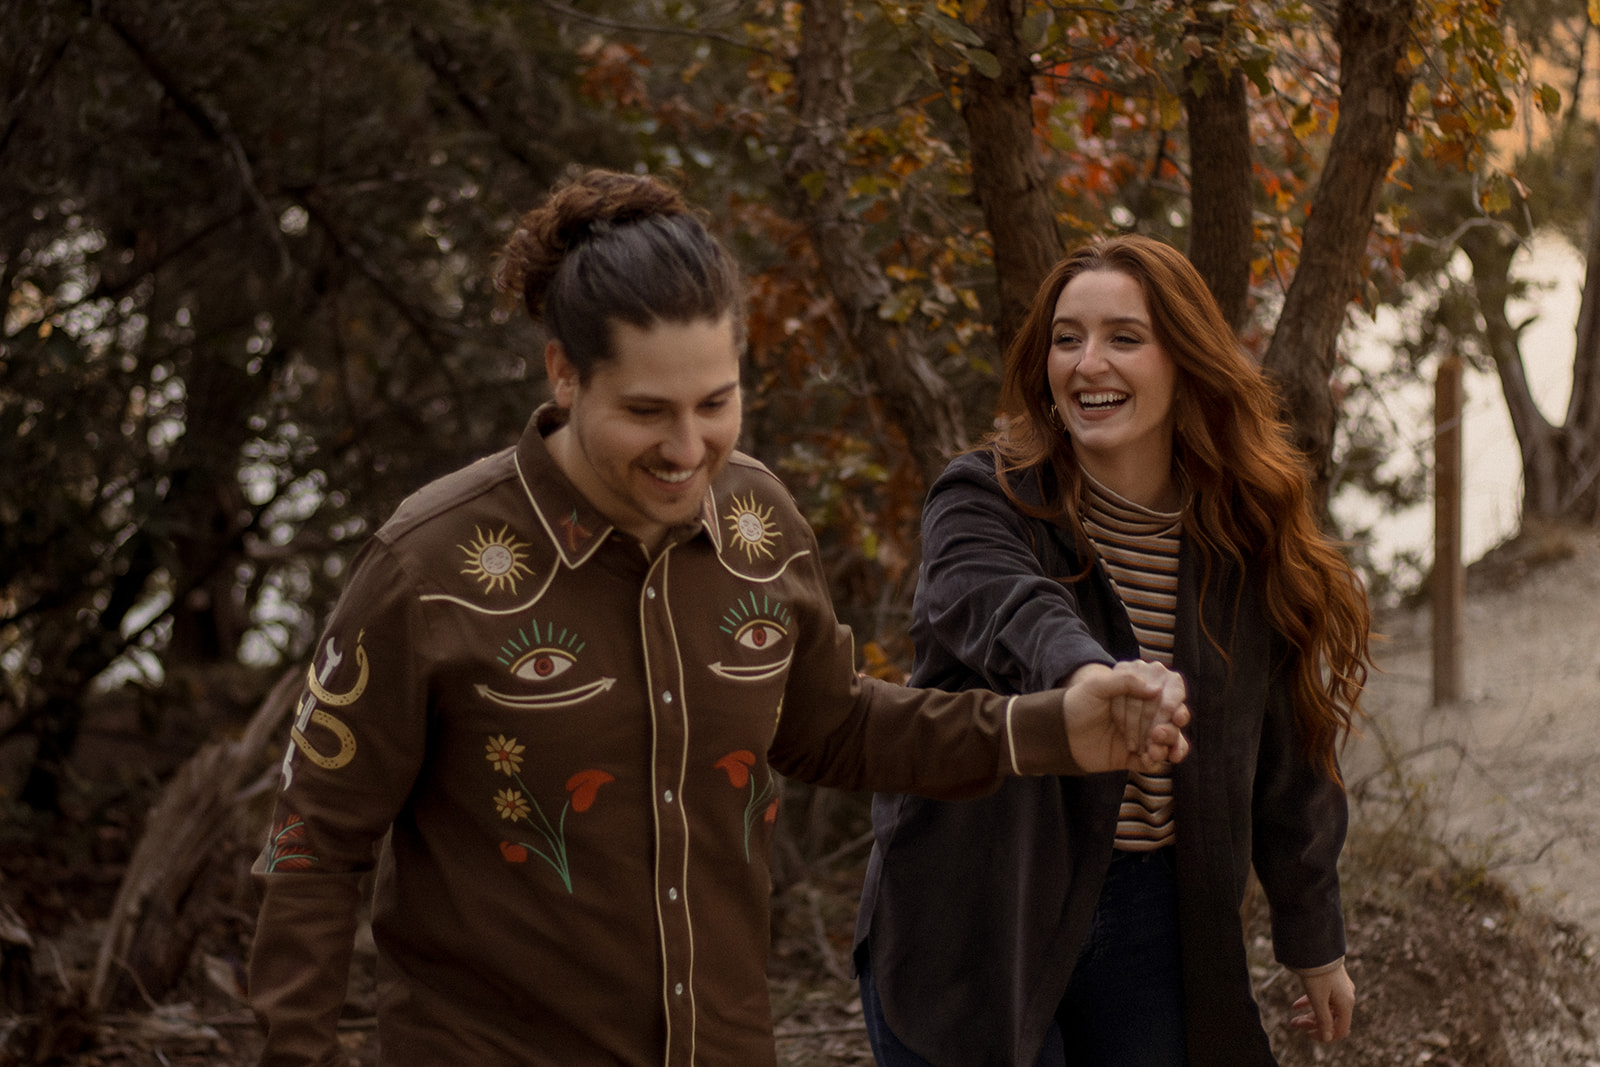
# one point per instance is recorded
(1246, 490)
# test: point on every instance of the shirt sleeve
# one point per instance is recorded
(841, 729)
(355, 748)
(1300, 817)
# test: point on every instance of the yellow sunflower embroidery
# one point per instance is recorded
(496, 559)
(511, 804)
(752, 527)
(505, 754)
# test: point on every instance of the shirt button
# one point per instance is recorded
(672, 894)
(650, 593)
(666, 698)
(678, 989)
(667, 796)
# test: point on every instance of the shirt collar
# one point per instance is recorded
(574, 525)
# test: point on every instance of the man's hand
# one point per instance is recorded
(1127, 717)
(1331, 998)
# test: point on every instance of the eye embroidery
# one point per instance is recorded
(752, 527)
(746, 614)
(758, 634)
(759, 624)
(496, 559)
(541, 657)
(543, 663)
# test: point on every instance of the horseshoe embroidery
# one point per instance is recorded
(340, 700)
(347, 741)
(310, 713)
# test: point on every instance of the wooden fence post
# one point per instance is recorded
(1449, 573)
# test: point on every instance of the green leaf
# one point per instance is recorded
(985, 62)
(814, 183)
(1035, 31)
(1258, 69)
(1549, 98)
(953, 30)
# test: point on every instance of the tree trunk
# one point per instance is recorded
(1008, 176)
(1221, 230)
(1374, 84)
(915, 397)
(1581, 497)
(1490, 252)
(1560, 463)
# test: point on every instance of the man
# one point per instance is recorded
(551, 701)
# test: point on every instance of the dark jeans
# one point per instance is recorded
(1124, 1004)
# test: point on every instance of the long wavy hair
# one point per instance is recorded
(1246, 491)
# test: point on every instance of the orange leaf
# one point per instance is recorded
(772, 811)
(584, 785)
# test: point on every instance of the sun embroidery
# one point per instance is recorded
(752, 527)
(496, 559)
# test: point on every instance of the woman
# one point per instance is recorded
(1140, 502)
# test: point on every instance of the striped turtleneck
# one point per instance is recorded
(1139, 548)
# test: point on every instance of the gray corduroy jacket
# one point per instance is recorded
(974, 911)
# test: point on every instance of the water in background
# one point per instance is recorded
(1492, 468)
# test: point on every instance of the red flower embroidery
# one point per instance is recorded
(577, 533)
(738, 765)
(772, 811)
(513, 853)
(290, 849)
(584, 785)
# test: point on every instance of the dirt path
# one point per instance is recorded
(1508, 776)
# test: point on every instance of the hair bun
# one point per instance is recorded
(589, 207)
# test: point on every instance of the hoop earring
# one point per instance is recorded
(1055, 417)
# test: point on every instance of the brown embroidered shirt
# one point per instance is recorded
(561, 754)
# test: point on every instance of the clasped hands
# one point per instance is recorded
(1127, 717)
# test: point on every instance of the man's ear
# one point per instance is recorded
(562, 374)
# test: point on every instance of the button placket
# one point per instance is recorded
(664, 678)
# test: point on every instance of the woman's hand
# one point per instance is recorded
(1127, 717)
(1331, 998)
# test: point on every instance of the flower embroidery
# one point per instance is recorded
(584, 785)
(511, 804)
(505, 754)
(739, 765)
(577, 533)
(290, 849)
(518, 805)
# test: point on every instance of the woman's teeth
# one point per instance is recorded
(1101, 400)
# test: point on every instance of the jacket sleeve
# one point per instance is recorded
(984, 599)
(355, 748)
(1300, 817)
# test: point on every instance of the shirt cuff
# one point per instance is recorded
(1036, 735)
(1313, 972)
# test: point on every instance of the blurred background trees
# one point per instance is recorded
(245, 253)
